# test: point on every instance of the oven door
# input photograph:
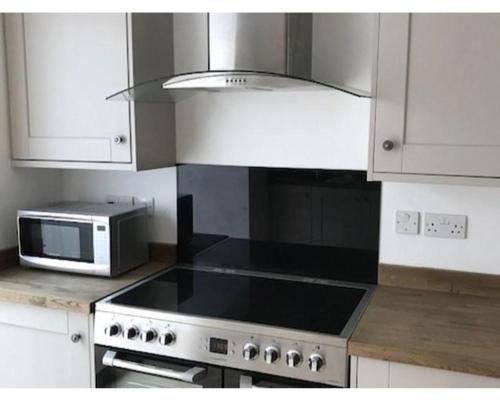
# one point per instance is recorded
(123, 369)
(252, 380)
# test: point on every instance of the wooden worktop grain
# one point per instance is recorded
(71, 292)
(434, 329)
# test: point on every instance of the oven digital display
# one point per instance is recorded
(218, 346)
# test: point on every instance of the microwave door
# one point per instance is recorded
(56, 239)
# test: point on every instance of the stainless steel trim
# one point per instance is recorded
(247, 80)
(58, 217)
(273, 275)
(225, 324)
(65, 265)
(192, 375)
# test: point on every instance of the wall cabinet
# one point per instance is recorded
(37, 348)
(435, 113)
(371, 373)
(61, 68)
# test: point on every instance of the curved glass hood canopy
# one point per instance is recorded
(236, 52)
(179, 87)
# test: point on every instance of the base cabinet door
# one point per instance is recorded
(371, 373)
(436, 104)
(38, 347)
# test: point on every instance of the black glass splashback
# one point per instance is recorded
(306, 222)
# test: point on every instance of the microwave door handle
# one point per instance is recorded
(192, 375)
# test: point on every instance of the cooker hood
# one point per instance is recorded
(241, 52)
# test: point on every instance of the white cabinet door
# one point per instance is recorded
(371, 373)
(61, 68)
(37, 351)
(437, 96)
(411, 376)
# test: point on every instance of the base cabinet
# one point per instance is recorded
(38, 349)
(371, 373)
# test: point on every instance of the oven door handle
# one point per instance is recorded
(192, 375)
(246, 382)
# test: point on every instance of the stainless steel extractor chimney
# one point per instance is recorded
(246, 51)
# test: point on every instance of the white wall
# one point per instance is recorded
(160, 184)
(299, 130)
(479, 252)
(18, 187)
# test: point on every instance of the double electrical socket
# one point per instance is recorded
(445, 226)
(148, 202)
(435, 225)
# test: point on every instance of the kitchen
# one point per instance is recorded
(267, 200)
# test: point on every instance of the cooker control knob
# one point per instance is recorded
(167, 338)
(132, 332)
(271, 354)
(250, 351)
(148, 335)
(113, 330)
(293, 358)
(316, 361)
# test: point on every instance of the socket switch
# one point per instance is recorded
(445, 226)
(120, 199)
(148, 202)
(407, 222)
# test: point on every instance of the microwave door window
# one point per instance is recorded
(57, 239)
(61, 241)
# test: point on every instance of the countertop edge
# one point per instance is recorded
(46, 301)
(421, 359)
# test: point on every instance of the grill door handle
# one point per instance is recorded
(192, 375)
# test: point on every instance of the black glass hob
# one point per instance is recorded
(269, 300)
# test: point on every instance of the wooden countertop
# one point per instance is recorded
(66, 291)
(449, 331)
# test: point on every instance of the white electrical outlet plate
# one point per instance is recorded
(445, 226)
(148, 202)
(119, 199)
(407, 222)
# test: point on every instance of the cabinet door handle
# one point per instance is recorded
(388, 145)
(76, 337)
(119, 139)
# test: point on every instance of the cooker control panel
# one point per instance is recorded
(260, 353)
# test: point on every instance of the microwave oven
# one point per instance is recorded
(87, 238)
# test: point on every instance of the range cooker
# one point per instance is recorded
(275, 267)
(196, 325)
